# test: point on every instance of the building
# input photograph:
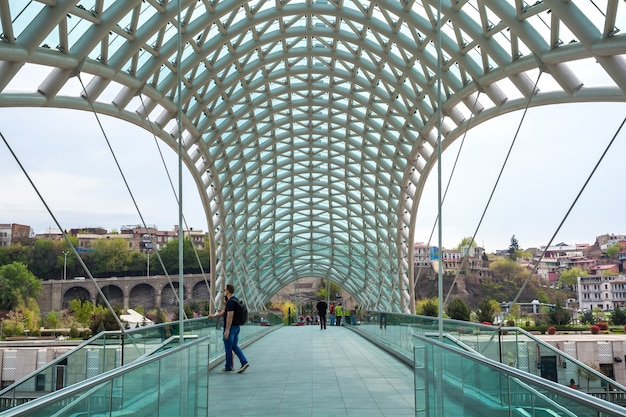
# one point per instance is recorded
(12, 233)
(601, 291)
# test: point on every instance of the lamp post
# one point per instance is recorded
(147, 263)
(65, 253)
(1, 326)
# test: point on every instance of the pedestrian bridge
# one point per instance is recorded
(389, 364)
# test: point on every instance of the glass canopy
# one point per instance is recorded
(310, 127)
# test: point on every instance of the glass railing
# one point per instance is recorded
(171, 382)
(112, 349)
(450, 381)
(511, 346)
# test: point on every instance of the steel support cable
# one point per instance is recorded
(443, 199)
(119, 168)
(66, 237)
(532, 272)
(169, 178)
(495, 185)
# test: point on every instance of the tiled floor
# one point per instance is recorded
(303, 371)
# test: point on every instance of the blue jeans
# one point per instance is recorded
(230, 345)
(332, 319)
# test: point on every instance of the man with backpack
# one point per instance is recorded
(231, 331)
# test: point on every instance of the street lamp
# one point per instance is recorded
(148, 263)
(65, 253)
(1, 325)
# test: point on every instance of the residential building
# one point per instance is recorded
(601, 291)
(11, 233)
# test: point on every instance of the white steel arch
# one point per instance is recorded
(310, 125)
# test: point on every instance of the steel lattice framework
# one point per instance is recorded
(310, 126)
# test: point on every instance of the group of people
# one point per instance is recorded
(336, 312)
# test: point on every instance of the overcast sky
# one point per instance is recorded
(68, 159)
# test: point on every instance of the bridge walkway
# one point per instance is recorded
(307, 372)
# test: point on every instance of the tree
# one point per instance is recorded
(104, 320)
(485, 311)
(82, 310)
(508, 278)
(587, 318)
(332, 290)
(613, 250)
(513, 247)
(169, 255)
(110, 255)
(13, 253)
(515, 311)
(53, 320)
(43, 259)
(466, 242)
(427, 307)
(17, 283)
(458, 310)
(569, 278)
(559, 315)
(619, 316)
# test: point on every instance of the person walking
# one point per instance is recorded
(339, 313)
(231, 333)
(322, 306)
(332, 314)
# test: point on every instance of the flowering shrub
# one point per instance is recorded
(551, 330)
(603, 325)
(594, 329)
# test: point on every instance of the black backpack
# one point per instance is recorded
(240, 315)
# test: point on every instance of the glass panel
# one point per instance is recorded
(452, 382)
(174, 382)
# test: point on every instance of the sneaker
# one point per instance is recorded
(226, 371)
(244, 368)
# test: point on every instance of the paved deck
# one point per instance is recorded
(306, 372)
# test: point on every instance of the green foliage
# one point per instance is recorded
(613, 250)
(157, 316)
(169, 255)
(427, 307)
(13, 253)
(458, 310)
(569, 278)
(466, 241)
(83, 311)
(43, 259)
(53, 320)
(17, 283)
(559, 315)
(587, 318)
(103, 320)
(619, 316)
(485, 311)
(508, 278)
(513, 247)
(333, 289)
(542, 296)
(109, 255)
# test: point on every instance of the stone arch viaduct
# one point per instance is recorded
(128, 292)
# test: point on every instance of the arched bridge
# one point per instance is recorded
(128, 292)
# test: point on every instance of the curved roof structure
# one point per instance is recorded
(310, 126)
